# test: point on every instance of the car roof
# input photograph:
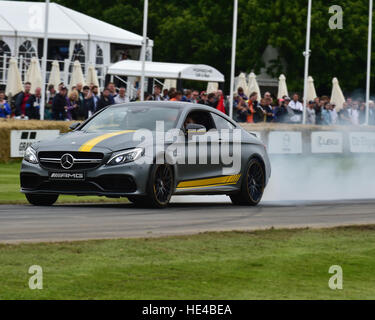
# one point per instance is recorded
(186, 106)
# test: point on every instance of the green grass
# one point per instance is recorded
(272, 264)
(10, 188)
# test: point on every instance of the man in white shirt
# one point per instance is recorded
(121, 97)
(295, 104)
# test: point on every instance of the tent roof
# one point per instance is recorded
(164, 70)
(19, 18)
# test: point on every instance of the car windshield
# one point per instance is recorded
(133, 118)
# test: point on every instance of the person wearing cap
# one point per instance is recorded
(310, 113)
(60, 104)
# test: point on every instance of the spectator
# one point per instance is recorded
(105, 100)
(112, 91)
(354, 114)
(195, 97)
(165, 95)
(21, 100)
(318, 111)
(177, 96)
(310, 113)
(362, 113)
(51, 94)
(240, 107)
(280, 113)
(241, 93)
(156, 96)
(296, 106)
(344, 116)
(89, 105)
(121, 97)
(187, 97)
(265, 104)
(5, 110)
(95, 96)
(33, 105)
(334, 115)
(203, 98)
(211, 100)
(252, 115)
(326, 115)
(72, 105)
(60, 104)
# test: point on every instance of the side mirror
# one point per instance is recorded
(193, 128)
(74, 126)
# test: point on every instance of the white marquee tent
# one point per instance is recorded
(24, 21)
(164, 70)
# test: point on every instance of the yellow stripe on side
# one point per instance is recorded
(211, 182)
(87, 146)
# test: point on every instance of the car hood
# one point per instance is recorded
(90, 142)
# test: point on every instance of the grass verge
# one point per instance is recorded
(10, 188)
(272, 264)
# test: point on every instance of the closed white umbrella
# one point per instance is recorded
(241, 82)
(169, 83)
(77, 75)
(283, 90)
(212, 87)
(34, 75)
(92, 76)
(337, 97)
(253, 85)
(55, 77)
(311, 93)
(14, 82)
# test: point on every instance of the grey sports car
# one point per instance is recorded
(147, 152)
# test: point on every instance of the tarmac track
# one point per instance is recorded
(24, 223)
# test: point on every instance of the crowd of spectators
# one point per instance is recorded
(319, 111)
(81, 102)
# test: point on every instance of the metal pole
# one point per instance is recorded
(44, 61)
(307, 56)
(368, 63)
(233, 67)
(143, 53)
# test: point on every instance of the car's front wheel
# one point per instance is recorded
(41, 199)
(252, 187)
(160, 187)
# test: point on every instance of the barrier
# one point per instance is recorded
(279, 138)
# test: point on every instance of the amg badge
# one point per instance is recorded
(67, 176)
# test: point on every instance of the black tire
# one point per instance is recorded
(160, 187)
(252, 187)
(41, 199)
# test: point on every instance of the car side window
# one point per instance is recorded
(203, 118)
(221, 123)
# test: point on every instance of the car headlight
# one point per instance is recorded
(125, 156)
(30, 156)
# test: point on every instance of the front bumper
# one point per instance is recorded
(111, 181)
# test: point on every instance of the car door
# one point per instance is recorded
(199, 155)
(228, 164)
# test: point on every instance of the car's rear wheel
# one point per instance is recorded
(159, 190)
(252, 187)
(41, 199)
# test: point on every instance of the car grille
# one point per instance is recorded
(82, 160)
(103, 183)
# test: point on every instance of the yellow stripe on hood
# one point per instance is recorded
(87, 146)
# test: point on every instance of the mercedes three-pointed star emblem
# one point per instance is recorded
(67, 161)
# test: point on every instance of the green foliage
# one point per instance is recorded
(200, 32)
